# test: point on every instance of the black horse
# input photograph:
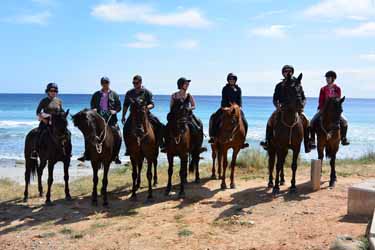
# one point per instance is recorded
(54, 146)
(103, 145)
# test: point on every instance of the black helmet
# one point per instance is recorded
(104, 79)
(230, 76)
(51, 85)
(332, 74)
(287, 67)
(138, 78)
(181, 81)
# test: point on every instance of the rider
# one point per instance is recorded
(141, 93)
(231, 93)
(279, 100)
(183, 96)
(107, 103)
(47, 106)
(330, 90)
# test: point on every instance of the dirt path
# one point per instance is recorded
(247, 217)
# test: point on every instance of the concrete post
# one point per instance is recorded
(316, 170)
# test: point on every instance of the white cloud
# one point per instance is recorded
(368, 57)
(40, 18)
(188, 44)
(124, 12)
(273, 31)
(358, 9)
(144, 41)
(362, 30)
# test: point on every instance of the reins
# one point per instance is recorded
(289, 126)
(99, 144)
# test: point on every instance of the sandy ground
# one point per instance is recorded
(247, 217)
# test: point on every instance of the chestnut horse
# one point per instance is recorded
(55, 145)
(182, 143)
(141, 142)
(288, 134)
(328, 131)
(103, 146)
(231, 135)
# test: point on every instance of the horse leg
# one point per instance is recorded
(183, 174)
(225, 164)
(27, 181)
(51, 166)
(281, 154)
(333, 172)
(282, 178)
(66, 180)
(155, 172)
(134, 177)
(232, 166)
(170, 173)
(271, 166)
(94, 196)
(103, 191)
(293, 188)
(149, 178)
(220, 162)
(140, 165)
(213, 175)
(43, 164)
(196, 164)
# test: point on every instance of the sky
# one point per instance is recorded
(74, 43)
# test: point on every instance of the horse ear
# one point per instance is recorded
(342, 100)
(299, 78)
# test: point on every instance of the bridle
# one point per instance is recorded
(102, 136)
(296, 121)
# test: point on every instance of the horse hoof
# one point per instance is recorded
(133, 198)
(155, 184)
(94, 203)
(197, 181)
(223, 186)
(232, 186)
(332, 184)
(41, 194)
(213, 177)
(106, 204)
(276, 191)
(68, 198)
(282, 183)
(270, 184)
(181, 195)
(25, 199)
(293, 190)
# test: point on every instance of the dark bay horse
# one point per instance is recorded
(54, 146)
(102, 147)
(231, 135)
(328, 131)
(140, 139)
(181, 142)
(288, 134)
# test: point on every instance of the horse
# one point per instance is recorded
(54, 146)
(141, 141)
(102, 147)
(231, 135)
(181, 142)
(288, 134)
(214, 151)
(328, 132)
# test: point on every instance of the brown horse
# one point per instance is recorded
(55, 145)
(182, 143)
(328, 131)
(288, 134)
(231, 135)
(102, 147)
(141, 142)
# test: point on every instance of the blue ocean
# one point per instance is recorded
(17, 117)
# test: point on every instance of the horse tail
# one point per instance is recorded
(32, 166)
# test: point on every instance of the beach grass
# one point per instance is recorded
(251, 164)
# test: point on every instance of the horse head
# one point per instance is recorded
(138, 112)
(84, 120)
(231, 117)
(333, 109)
(291, 90)
(59, 123)
(180, 114)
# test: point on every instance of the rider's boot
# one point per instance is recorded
(344, 140)
(306, 140)
(269, 134)
(312, 138)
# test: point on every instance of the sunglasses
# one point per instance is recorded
(287, 71)
(136, 83)
(53, 91)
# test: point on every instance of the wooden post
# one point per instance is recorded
(316, 168)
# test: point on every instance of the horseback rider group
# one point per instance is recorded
(107, 104)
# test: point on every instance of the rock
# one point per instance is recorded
(347, 243)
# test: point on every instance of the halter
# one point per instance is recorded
(289, 126)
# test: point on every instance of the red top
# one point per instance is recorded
(328, 92)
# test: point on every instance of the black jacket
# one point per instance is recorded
(46, 105)
(231, 95)
(280, 97)
(144, 94)
(114, 103)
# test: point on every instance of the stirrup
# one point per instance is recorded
(82, 159)
(345, 142)
(264, 144)
(211, 140)
(34, 155)
(245, 145)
